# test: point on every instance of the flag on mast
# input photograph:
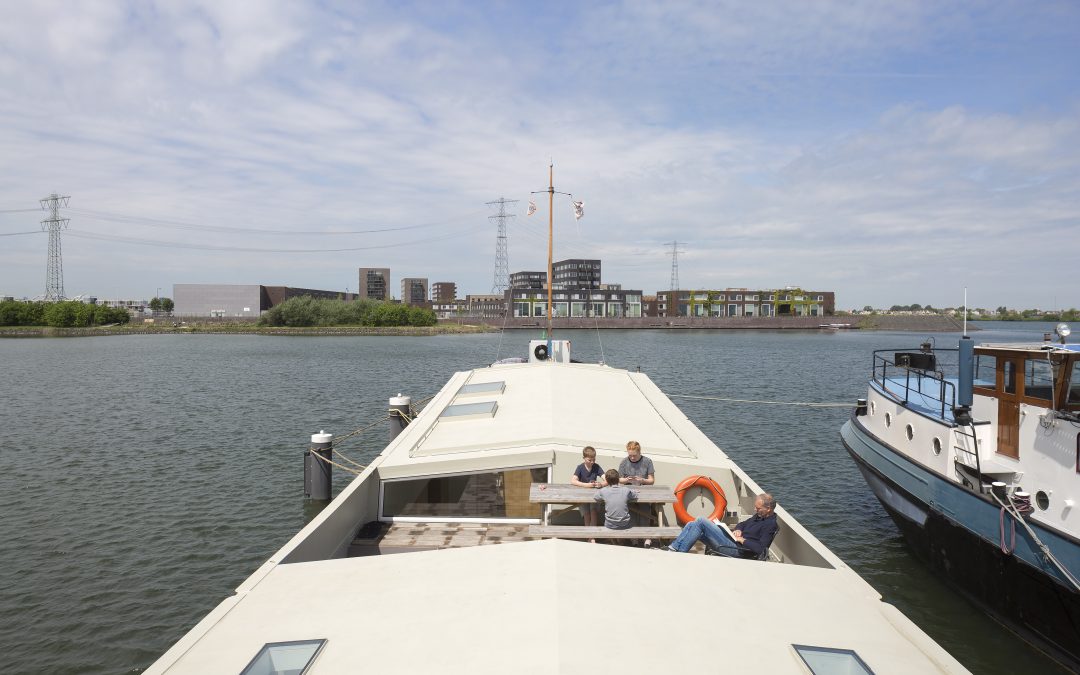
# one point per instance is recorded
(579, 210)
(532, 207)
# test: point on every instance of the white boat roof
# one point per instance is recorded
(1041, 347)
(545, 407)
(557, 606)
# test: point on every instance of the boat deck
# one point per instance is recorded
(923, 394)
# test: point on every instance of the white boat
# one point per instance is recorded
(975, 453)
(432, 561)
(457, 477)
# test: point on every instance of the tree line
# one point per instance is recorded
(1006, 314)
(63, 314)
(308, 311)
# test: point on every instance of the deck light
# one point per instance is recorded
(1063, 331)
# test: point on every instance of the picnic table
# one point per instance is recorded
(563, 493)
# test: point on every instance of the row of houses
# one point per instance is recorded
(612, 302)
(577, 291)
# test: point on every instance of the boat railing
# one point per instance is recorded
(928, 385)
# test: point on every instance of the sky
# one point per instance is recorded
(892, 152)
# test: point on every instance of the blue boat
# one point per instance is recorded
(975, 454)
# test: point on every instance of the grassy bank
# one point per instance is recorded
(223, 328)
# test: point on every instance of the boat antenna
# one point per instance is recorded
(965, 311)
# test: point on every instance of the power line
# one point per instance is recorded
(187, 225)
(209, 247)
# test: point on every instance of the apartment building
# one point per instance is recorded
(374, 283)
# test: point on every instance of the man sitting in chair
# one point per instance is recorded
(750, 539)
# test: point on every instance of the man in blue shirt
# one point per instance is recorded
(750, 539)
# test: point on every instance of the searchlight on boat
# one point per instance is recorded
(1063, 331)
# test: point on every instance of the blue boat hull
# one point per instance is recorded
(956, 531)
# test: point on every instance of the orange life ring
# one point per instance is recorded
(682, 516)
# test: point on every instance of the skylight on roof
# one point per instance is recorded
(829, 661)
(482, 388)
(470, 410)
(284, 658)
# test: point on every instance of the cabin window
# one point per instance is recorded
(985, 369)
(829, 661)
(1039, 379)
(1008, 379)
(279, 658)
(484, 496)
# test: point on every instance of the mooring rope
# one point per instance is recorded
(743, 400)
(359, 431)
(340, 466)
(1007, 550)
(1043, 547)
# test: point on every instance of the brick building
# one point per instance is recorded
(374, 283)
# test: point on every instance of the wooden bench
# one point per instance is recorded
(601, 532)
(563, 493)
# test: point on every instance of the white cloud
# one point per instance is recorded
(291, 117)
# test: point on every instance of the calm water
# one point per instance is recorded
(142, 478)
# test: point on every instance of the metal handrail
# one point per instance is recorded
(947, 390)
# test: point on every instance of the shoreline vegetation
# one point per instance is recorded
(308, 316)
(165, 325)
(238, 328)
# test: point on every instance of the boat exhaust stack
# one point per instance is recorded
(318, 471)
(964, 394)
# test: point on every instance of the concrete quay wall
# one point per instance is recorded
(876, 322)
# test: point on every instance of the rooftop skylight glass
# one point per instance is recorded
(482, 388)
(828, 661)
(470, 410)
(284, 658)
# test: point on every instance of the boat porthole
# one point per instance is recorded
(910, 432)
(1042, 500)
(888, 420)
(937, 446)
(873, 407)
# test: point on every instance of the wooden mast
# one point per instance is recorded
(551, 221)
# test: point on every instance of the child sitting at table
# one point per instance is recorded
(616, 500)
(589, 474)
